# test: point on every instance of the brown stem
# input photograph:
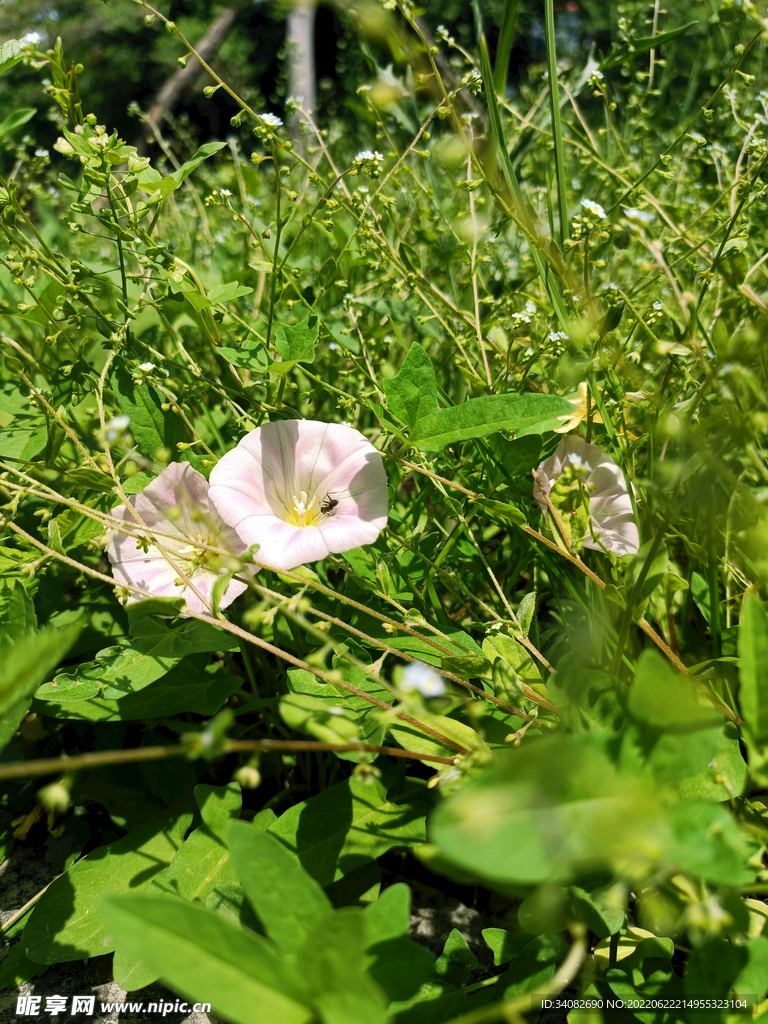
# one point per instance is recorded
(56, 765)
(183, 80)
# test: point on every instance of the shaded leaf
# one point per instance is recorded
(288, 901)
(64, 924)
(152, 428)
(207, 958)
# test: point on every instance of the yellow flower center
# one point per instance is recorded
(305, 511)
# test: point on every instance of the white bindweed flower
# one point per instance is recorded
(301, 490)
(423, 680)
(176, 503)
(612, 524)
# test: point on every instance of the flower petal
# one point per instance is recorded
(254, 488)
(613, 521)
(157, 568)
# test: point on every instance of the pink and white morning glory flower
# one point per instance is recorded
(175, 564)
(612, 523)
(301, 490)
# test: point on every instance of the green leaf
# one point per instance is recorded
(753, 667)
(151, 427)
(412, 393)
(222, 293)
(545, 812)
(17, 611)
(503, 944)
(200, 865)
(705, 840)
(147, 654)
(723, 778)
(457, 961)
(502, 510)
(10, 54)
(327, 722)
(16, 119)
(479, 417)
(366, 716)
(676, 732)
(333, 960)
(297, 344)
(412, 738)
(534, 966)
(205, 957)
(517, 457)
(713, 970)
(167, 606)
(642, 45)
(23, 443)
(72, 528)
(202, 154)
(197, 301)
(661, 698)
(397, 963)
(163, 187)
(346, 825)
(288, 901)
(252, 356)
(25, 662)
(64, 925)
(602, 909)
(190, 687)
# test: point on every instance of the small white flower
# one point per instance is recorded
(364, 154)
(225, 193)
(594, 208)
(147, 367)
(41, 152)
(31, 39)
(271, 120)
(558, 336)
(639, 216)
(530, 308)
(116, 426)
(658, 306)
(423, 680)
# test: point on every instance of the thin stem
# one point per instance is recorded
(100, 758)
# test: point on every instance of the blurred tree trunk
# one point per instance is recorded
(301, 60)
(184, 79)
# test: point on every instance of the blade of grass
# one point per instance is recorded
(504, 49)
(712, 579)
(520, 208)
(477, 15)
(557, 127)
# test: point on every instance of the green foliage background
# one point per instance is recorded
(230, 788)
